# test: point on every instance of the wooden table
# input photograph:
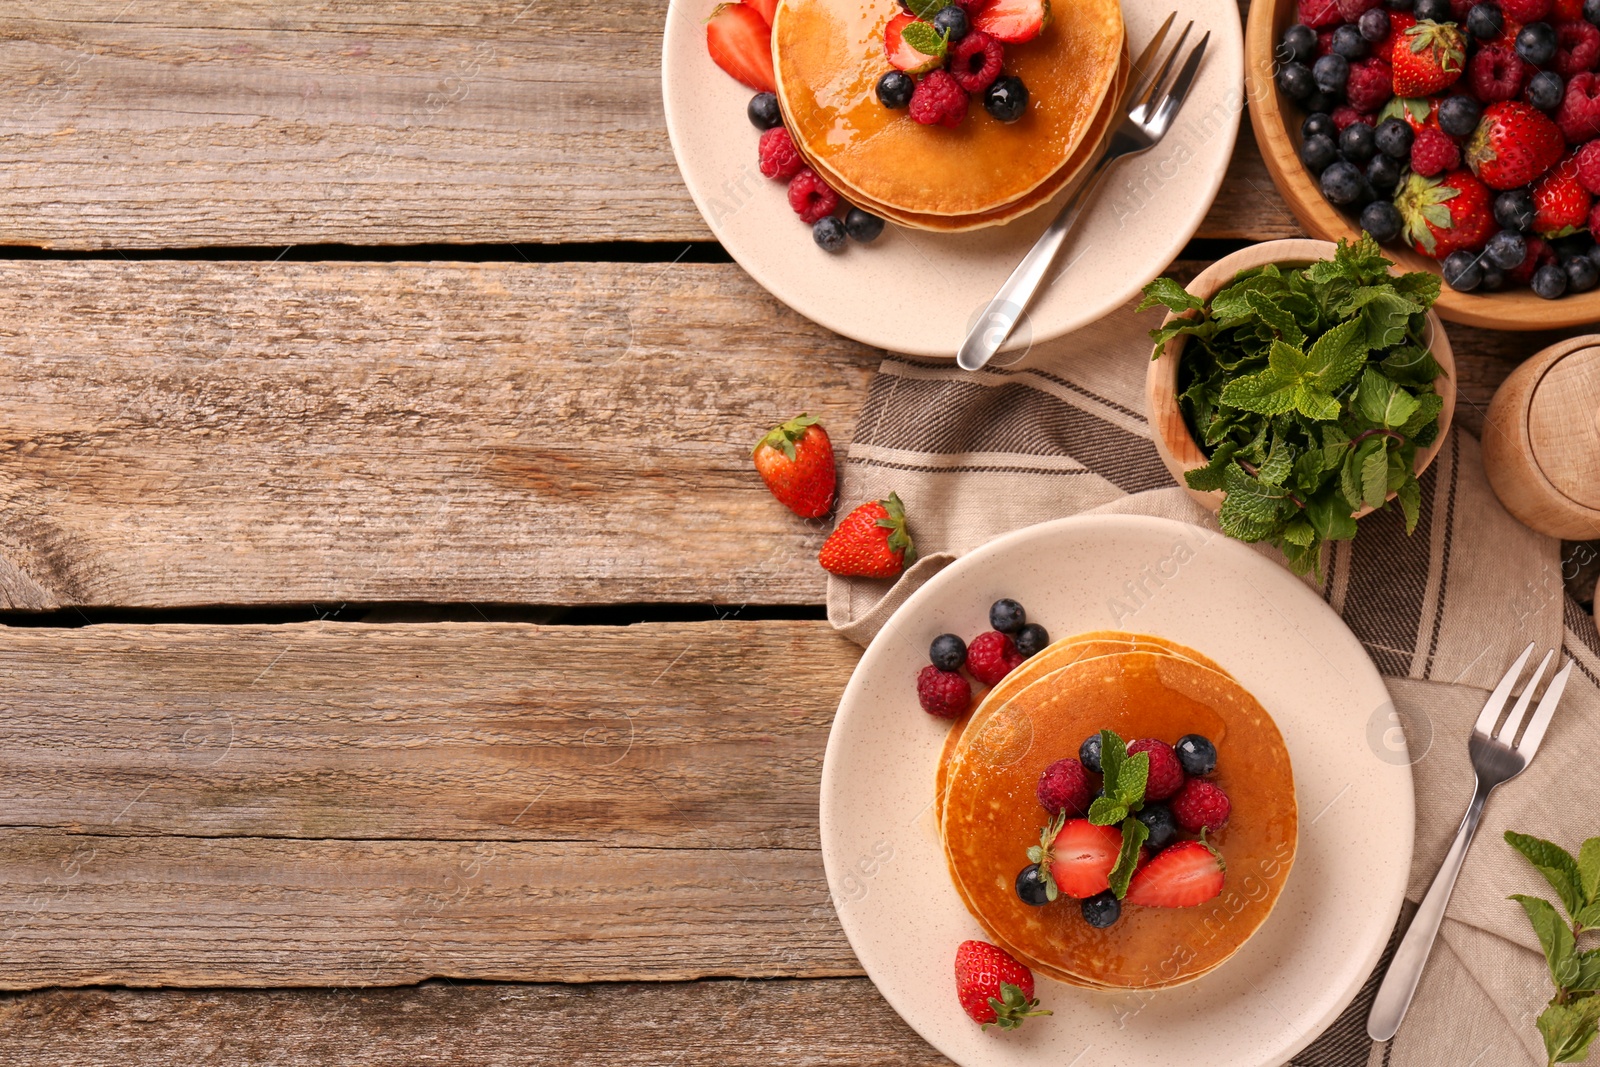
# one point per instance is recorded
(402, 662)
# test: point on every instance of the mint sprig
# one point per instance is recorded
(925, 39)
(1043, 853)
(1134, 835)
(1570, 1021)
(1124, 778)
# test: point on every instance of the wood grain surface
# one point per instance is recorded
(838, 1022)
(169, 124)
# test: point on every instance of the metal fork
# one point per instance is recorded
(1148, 116)
(1497, 757)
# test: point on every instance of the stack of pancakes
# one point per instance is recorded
(828, 56)
(1138, 686)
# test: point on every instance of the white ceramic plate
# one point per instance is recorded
(917, 292)
(886, 869)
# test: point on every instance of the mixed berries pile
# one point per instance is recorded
(943, 54)
(944, 692)
(739, 38)
(1466, 129)
(1118, 816)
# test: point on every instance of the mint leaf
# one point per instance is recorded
(925, 39)
(1107, 811)
(1134, 835)
(1329, 515)
(1569, 1029)
(1382, 402)
(925, 9)
(1252, 510)
(1557, 866)
(1589, 869)
(1213, 475)
(1131, 779)
(1112, 752)
(1375, 474)
(1164, 292)
(1555, 937)
(1271, 392)
(1588, 972)
(1410, 497)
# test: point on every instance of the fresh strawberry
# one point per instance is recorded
(1013, 21)
(1082, 856)
(1560, 202)
(766, 8)
(1399, 23)
(1444, 214)
(740, 42)
(1513, 145)
(1185, 874)
(901, 55)
(993, 987)
(871, 542)
(796, 462)
(1428, 59)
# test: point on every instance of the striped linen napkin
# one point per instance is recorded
(1442, 613)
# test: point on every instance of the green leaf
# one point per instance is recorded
(1252, 510)
(1589, 917)
(1134, 834)
(1113, 750)
(1330, 517)
(925, 9)
(925, 39)
(1557, 866)
(1164, 292)
(1107, 811)
(1211, 476)
(1271, 392)
(1410, 496)
(1429, 405)
(1338, 355)
(1276, 317)
(1374, 473)
(1382, 402)
(1555, 937)
(1588, 972)
(1131, 779)
(1569, 1029)
(1589, 869)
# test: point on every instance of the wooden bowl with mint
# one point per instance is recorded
(1298, 386)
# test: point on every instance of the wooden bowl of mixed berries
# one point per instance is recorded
(1463, 134)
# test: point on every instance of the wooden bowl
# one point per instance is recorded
(1178, 448)
(1276, 121)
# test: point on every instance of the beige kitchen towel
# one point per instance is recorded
(1442, 612)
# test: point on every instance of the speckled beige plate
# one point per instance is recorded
(1140, 221)
(880, 842)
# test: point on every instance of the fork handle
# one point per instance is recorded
(1405, 970)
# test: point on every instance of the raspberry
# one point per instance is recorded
(1320, 13)
(1064, 786)
(780, 160)
(975, 61)
(1345, 115)
(1371, 84)
(1324, 42)
(1496, 73)
(1594, 217)
(1352, 10)
(1166, 773)
(1579, 113)
(1459, 9)
(939, 98)
(943, 694)
(810, 196)
(1538, 255)
(1577, 48)
(1588, 163)
(1433, 152)
(1201, 805)
(991, 656)
(1525, 11)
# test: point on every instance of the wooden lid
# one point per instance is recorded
(1564, 426)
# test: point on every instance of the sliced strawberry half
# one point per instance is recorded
(1186, 874)
(901, 55)
(765, 8)
(740, 42)
(1083, 855)
(1013, 21)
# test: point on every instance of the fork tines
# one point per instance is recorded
(1496, 705)
(1149, 91)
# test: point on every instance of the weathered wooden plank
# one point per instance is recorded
(178, 124)
(699, 735)
(807, 1023)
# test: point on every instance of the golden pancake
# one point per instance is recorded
(828, 55)
(992, 816)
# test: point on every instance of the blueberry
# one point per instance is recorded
(1320, 101)
(1433, 11)
(1102, 910)
(1594, 254)
(763, 111)
(1549, 281)
(1374, 24)
(1089, 753)
(1493, 278)
(1591, 12)
(1381, 219)
(1031, 887)
(895, 88)
(1031, 639)
(948, 652)
(1007, 616)
(1574, 244)
(1317, 152)
(1514, 210)
(1536, 42)
(1400, 5)
(1342, 183)
(1384, 174)
(1320, 122)
(1331, 72)
(1196, 754)
(1294, 80)
(1299, 43)
(1506, 249)
(1545, 90)
(1393, 138)
(862, 225)
(1486, 21)
(1461, 271)
(1582, 274)
(1458, 115)
(1348, 42)
(1006, 99)
(1158, 819)
(952, 22)
(1356, 143)
(828, 232)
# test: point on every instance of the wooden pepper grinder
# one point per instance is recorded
(1541, 440)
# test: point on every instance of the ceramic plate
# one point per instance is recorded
(886, 869)
(1140, 221)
